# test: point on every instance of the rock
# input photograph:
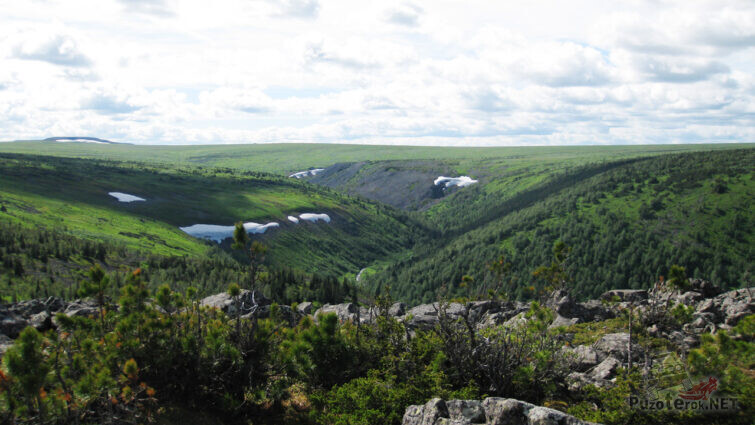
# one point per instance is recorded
(735, 305)
(704, 287)
(466, 411)
(577, 381)
(82, 308)
(688, 298)
(304, 308)
(427, 414)
(728, 308)
(562, 303)
(563, 321)
(247, 299)
(544, 416)
(478, 309)
(11, 325)
(594, 310)
(516, 321)
(28, 308)
(506, 411)
(614, 345)
(397, 309)
(425, 316)
(605, 370)
(345, 312)
(585, 357)
(625, 295)
(491, 411)
(41, 321)
(5, 344)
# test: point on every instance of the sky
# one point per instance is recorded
(439, 72)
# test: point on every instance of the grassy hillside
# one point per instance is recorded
(72, 195)
(626, 223)
(284, 158)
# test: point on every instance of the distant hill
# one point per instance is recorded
(82, 140)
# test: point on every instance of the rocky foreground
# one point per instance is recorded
(709, 310)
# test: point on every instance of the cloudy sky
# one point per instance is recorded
(434, 72)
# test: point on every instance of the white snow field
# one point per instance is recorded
(293, 219)
(217, 233)
(314, 217)
(307, 173)
(125, 197)
(454, 181)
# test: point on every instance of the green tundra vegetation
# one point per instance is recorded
(586, 218)
(627, 222)
(160, 355)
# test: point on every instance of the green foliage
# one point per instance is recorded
(731, 358)
(677, 278)
(26, 363)
(594, 210)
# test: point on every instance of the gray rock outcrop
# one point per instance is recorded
(491, 411)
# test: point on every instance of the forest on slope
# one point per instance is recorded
(626, 223)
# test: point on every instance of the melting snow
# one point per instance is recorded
(314, 217)
(454, 181)
(217, 233)
(308, 173)
(293, 219)
(125, 197)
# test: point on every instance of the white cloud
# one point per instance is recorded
(58, 49)
(486, 73)
(406, 15)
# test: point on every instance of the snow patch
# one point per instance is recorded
(217, 233)
(314, 217)
(125, 197)
(307, 173)
(293, 219)
(454, 181)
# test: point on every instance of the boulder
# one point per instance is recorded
(427, 414)
(247, 299)
(688, 298)
(82, 308)
(605, 370)
(397, 309)
(728, 308)
(28, 308)
(41, 321)
(563, 321)
(506, 411)
(583, 358)
(704, 287)
(11, 324)
(594, 310)
(735, 305)
(345, 312)
(576, 381)
(304, 308)
(425, 316)
(562, 303)
(613, 345)
(466, 411)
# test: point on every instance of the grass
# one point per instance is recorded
(285, 158)
(72, 195)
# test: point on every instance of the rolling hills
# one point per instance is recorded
(627, 212)
(71, 196)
